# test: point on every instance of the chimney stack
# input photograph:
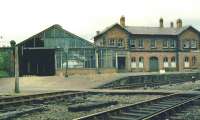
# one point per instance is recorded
(171, 24)
(179, 23)
(161, 23)
(122, 21)
(97, 32)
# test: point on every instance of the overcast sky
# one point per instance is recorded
(20, 19)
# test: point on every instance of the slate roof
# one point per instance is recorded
(138, 30)
(155, 30)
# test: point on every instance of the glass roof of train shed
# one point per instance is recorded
(55, 37)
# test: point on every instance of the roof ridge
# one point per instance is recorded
(157, 27)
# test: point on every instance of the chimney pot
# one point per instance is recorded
(179, 23)
(122, 21)
(171, 24)
(161, 23)
(97, 32)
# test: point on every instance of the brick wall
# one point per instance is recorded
(147, 55)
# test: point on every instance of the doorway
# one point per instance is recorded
(153, 64)
(121, 63)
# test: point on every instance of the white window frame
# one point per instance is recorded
(120, 43)
(132, 42)
(193, 42)
(186, 44)
(141, 62)
(186, 62)
(172, 42)
(133, 62)
(153, 43)
(173, 62)
(166, 42)
(141, 43)
(165, 62)
(112, 42)
(194, 60)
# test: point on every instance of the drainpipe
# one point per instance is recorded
(177, 53)
(116, 60)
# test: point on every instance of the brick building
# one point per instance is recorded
(174, 48)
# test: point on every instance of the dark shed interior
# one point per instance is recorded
(38, 61)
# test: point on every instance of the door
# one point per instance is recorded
(153, 64)
(121, 63)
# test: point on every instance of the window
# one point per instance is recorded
(141, 44)
(165, 44)
(186, 59)
(186, 44)
(120, 43)
(132, 43)
(112, 42)
(141, 62)
(172, 43)
(153, 44)
(133, 59)
(133, 62)
(193, 44)
(173, 62)
(165, 61)
(173, 59)
(194, 59)
(186, 62)
(141, 59)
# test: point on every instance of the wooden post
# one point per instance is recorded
(16, 71)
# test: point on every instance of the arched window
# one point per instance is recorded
(194, 59)
(133, 62)
(186, 62)
(165, 59)
(173, 59)
(186, 59)
(133, 59)
(173, 62)
(141, 59)
(141, 62)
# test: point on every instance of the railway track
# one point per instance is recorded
(144, 81)
(38, 98)
(155, 109)
(9, 106)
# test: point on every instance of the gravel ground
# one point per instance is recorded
(175, 87)
(59, 110)
(181, 86)
(192, 114)
(36, 84)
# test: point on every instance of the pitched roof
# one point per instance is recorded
(155, 30)
(55, 26)
(138, 30)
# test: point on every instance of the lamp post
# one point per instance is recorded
(16, 71)
(16, 64)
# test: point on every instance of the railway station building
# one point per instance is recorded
(118, 48)
(149, 49)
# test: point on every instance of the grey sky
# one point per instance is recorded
(20, 19)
